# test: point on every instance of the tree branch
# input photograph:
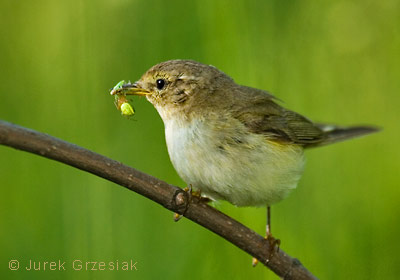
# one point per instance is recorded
(169, 196)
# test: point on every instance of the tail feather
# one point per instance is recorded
(335, 134)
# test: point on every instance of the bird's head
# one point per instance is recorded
(178, 85)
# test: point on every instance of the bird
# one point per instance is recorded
(232, 142)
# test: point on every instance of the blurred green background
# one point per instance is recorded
(334, 61)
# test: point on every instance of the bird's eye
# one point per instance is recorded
(160, 83)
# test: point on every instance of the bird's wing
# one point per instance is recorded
(262, 115)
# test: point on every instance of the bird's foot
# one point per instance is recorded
(273, 243)
(196, 194)
(192, 194)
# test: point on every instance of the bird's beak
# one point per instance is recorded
(130, 89)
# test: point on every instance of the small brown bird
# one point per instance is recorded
(230, 141)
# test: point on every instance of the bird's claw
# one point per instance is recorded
(273, 242)
(191, 195)
(177, 217)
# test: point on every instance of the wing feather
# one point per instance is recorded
(262, 115)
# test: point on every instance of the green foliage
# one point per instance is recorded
(333, 61)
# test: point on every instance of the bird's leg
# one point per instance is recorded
(273, 242)
(268, 235)
(268, 226)
(191, 194)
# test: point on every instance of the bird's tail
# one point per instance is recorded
(335, 134)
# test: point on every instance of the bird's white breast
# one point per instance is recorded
(227, 162)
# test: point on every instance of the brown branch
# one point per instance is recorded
(171, 197)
